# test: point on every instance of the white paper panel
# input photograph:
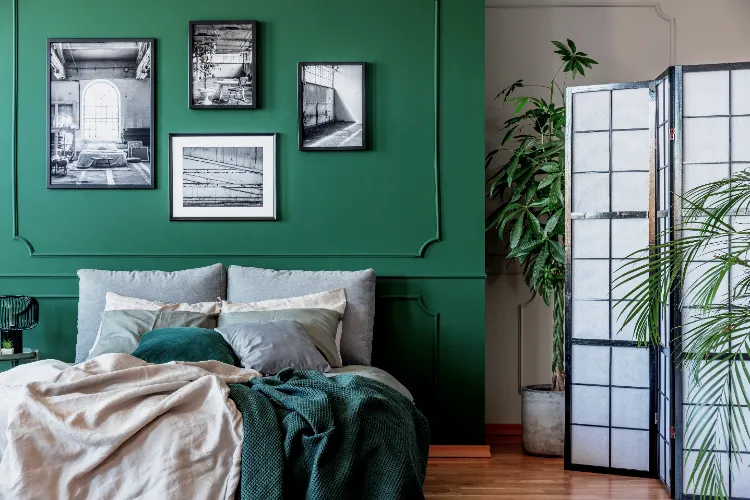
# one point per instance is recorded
(630, 449)
(590, 365)
(590, 238)
(689, 465)
(630, 108)
(697, 432)
(620, 268)
(741, 93)
(591, 193)
(691, 393)
(591, 111)
(743, 437)
(664, 190)
(741, 478)
(706, 140)
(741, 138)
(590, 319)
(629, 236)
(696, 272)
(706, 93)
(662, 371)
(591, 152)
(630, 408)
(663, 402)
(590, 279)
(589, 446)
(630, 366)
(660, 101)
(741, 223)
(630, 150)
(618, 331)
(590, 405)
(700, 174)
(630, 192)
(662, 468)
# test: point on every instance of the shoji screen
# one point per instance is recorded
(715, 142)
(610, 170)
(664, 225)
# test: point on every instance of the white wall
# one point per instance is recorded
(632, 40)
(348, 96)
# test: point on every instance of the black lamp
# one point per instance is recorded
(17, 313)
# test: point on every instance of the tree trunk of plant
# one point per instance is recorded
(558, 339)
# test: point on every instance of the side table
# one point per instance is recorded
(27, 355)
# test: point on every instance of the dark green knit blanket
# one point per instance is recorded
(307, 436)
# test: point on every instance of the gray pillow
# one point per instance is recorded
(270, 347)
(250, 284)
(121, 330)
(320, 325)
(204, 284)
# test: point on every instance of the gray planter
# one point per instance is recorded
(543, 421)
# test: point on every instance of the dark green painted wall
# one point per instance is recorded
(418, 222)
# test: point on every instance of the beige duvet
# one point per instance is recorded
(116, 427)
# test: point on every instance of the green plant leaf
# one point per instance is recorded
(515, 235)
(557, 251)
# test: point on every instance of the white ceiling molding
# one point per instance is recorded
(521, 4)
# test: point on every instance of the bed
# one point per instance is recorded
(182, 416)
(102, 158)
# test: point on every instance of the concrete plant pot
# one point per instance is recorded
(543, 421)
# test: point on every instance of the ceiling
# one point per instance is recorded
(230, 38)
(100, 51)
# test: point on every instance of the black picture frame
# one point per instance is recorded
(152, 113)
(301, 107)
(252, 74)
(176, 218)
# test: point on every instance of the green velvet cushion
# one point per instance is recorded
(185, 344)
(320, 325)
(121, 331)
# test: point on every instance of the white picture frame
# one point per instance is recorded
(216, 177)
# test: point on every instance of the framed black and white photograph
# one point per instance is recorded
(222, 176)
(100, 125)
(223, 64)
(332, 107)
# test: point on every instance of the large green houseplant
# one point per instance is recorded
(526, 177)
(529, 184)
(708, 260)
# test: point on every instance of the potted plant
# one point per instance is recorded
(714, 279)
(204, 65)
(528, 185)
(7, 347)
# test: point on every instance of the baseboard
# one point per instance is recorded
(502, 433)
(460, 451)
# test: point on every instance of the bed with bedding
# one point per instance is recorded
(102, 158)
(176, 394)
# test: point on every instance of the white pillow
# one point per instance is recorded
(332, 299)
(116, 302)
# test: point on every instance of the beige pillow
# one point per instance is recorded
(116, 302)
(334, 300)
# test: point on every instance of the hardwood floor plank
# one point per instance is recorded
(511, 475)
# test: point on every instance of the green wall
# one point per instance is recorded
(412, 207)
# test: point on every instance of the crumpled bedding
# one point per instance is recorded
(116, 427)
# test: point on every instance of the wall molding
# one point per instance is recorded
(655, 6)
(419, 299)
(436, 238)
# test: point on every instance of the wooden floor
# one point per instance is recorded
(510, 474)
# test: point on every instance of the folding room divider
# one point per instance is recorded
(633, 148)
